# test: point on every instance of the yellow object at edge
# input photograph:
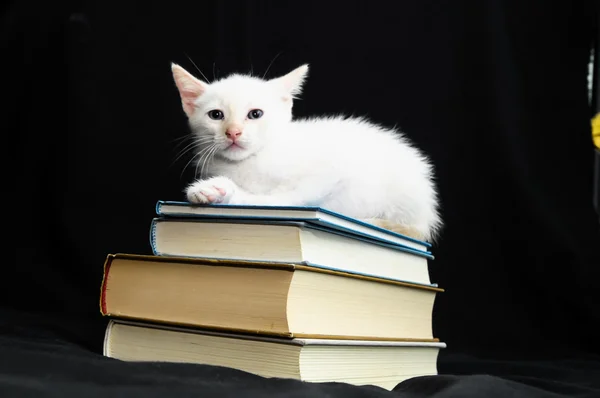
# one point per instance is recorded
(596, 130)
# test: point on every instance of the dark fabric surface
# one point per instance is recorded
(45, 360)
(494, 91)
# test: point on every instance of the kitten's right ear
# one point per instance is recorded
(293, 81)
(189, 88)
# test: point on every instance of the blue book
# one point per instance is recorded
(308, 214)
(290, 242)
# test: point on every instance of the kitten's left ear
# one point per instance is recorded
(293, 81)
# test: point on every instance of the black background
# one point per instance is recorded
(494, 91)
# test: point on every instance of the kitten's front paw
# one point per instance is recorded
(213, 190)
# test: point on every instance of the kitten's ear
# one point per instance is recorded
(293, 81)
(189, 88)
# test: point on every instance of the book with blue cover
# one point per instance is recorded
(311, 215)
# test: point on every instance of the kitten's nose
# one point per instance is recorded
(233, 133)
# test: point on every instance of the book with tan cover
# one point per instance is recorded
(263, 298)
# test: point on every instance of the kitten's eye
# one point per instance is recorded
(255, 114)
(216, 114)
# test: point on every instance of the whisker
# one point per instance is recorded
(187, 164)
(183, 137)
(201, 155)
(214, 75)
(181, 140)
(205, 143)
(196, 143)
(271, 63)
(202, 159)
(208, 159)
(198, 162)
(185, 150)
(212, 155)
(205, 139)
(199, 71)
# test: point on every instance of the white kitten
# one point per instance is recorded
(252, 152)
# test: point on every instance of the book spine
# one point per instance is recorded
(107, 264)
(152, 236)
(158, 206)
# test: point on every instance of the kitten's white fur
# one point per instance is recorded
(344, 164)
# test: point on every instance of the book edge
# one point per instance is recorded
(299, 339)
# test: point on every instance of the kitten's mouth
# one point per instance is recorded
(234, 146)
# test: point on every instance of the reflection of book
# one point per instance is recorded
(383, 364)
(310, 214)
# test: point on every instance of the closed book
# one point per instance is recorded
(287, 242)
(287, 300)
(379, 363)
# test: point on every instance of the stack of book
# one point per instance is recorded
(287, 292)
